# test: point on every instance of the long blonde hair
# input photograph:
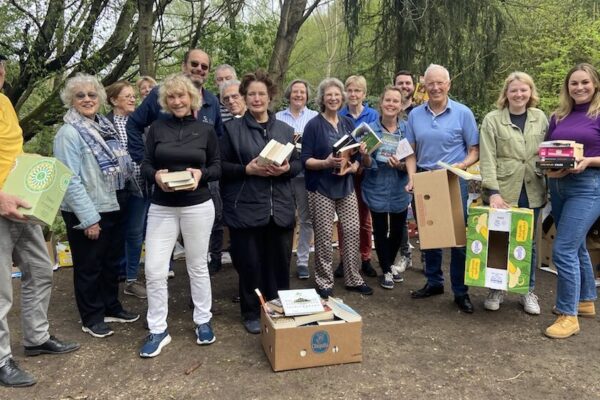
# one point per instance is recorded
(565, 101)
(534, 98)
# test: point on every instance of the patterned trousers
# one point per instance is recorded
(322, 212)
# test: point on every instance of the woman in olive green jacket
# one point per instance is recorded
(509, 140)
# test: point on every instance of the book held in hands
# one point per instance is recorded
(364, 134)
(179, 180)
(275, 153)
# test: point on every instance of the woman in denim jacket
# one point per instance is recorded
(386, 183)
(509, 142)
(87, 143)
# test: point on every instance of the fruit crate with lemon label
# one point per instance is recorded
(499, 244)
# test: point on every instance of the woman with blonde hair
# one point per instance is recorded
(179, 143)
(575, 195)
(145, 84)
(508, 151)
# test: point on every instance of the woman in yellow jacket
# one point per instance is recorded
(509, 142)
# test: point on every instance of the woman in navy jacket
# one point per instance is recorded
(258, 202)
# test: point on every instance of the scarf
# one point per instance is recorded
(102, 138)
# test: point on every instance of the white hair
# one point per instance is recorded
(437, 67)
(73, 84)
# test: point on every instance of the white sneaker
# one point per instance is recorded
(493, 300)
(530, 303)
(401, 263)
(178, 252)
(396, 275)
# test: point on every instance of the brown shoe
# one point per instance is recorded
(565, 326)
(586, 309)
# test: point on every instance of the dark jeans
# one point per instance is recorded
(215, 246)
(96, 267)
(262, 258)
(433, 258)
(388, 231)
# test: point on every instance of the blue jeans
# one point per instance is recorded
(524, 203)
(433, 258)
(575, 207)
(137, 210)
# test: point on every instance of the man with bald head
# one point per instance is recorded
(444, 129)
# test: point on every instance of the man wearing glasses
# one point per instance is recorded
(196, 66)
(443, 129)
(22, 243)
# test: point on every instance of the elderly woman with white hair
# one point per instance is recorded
(330, 193)
(179, 143)
(87, 143)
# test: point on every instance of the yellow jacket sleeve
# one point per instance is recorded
(11, 137)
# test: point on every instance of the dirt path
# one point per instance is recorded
(412, 349)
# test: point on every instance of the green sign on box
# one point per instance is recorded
(42, 182)
(499, 246)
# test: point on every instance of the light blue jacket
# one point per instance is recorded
(383, 186)
(88, 195)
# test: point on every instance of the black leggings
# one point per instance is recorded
(388, 230)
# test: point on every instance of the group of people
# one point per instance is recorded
(118, 194)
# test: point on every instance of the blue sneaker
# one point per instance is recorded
(154, 344)
(205, 334)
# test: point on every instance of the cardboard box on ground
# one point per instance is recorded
(336, 342)
(499, 248)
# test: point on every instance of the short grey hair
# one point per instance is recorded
(434, 67)
(288, 90)
(226, 66)
(80, 79)
(228, 84)
(326, 84)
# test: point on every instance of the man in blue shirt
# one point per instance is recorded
(443, 129)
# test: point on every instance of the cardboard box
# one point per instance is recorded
(439, 207)
(499, 248)
(42, 182)
(311, 345)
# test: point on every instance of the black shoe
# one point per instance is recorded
(368, 269)
(464, 303)
(235, 298)
(427, 291)
(122, 316)
(214, 266)
(99, 330)
(339, 271)
(362, 289)
(325, 293)
(13, 376)
(51, 346)
(252, 326)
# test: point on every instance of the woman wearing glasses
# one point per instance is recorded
(88, 144)
(121, 97)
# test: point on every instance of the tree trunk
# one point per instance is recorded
(145, 45)
(293, 15)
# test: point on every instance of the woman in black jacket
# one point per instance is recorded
(180, 143)
(258, 203)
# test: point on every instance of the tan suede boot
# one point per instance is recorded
(564, 327)
(586, 309)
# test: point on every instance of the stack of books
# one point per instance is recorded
(275, 153)
(344, 148)
(559, 154)
(180, 180)
(303, 307)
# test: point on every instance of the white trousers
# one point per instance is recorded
(164, 225)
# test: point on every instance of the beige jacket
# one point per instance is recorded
(508, 156)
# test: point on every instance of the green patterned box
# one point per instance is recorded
(42, 181)
(499, 244)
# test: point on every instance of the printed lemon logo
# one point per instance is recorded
(513, 275)
(40, 176)
(481, 226)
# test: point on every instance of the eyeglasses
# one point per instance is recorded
(196, 64)
(82, 95)
(231, 97)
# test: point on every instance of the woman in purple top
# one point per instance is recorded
(575, 196)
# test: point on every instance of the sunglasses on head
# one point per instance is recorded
(196, 64)
(90, 95)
